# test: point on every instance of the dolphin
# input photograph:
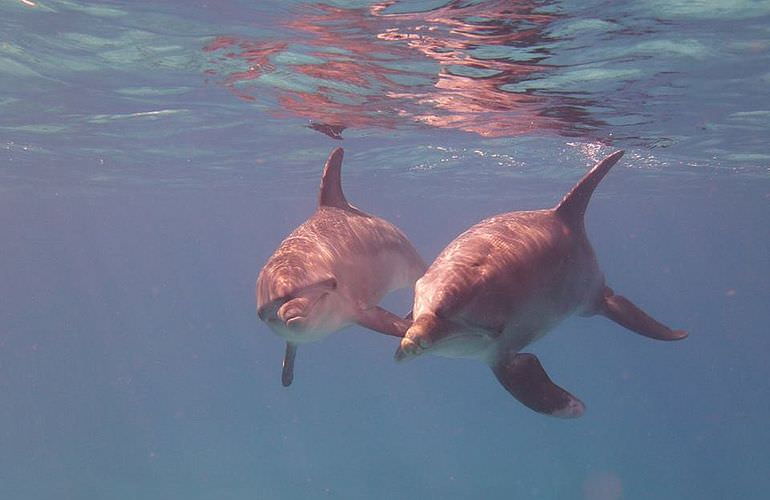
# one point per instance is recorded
(333, 270)
(509, 280)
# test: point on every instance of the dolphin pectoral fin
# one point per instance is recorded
(523, 376)
(287, 373)
(620, 310)
(380, 320)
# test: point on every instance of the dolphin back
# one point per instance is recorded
(572, 207)
(330, 193)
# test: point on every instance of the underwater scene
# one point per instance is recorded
(384, 249)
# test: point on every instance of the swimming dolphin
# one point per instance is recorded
(333, 270)
(510, 279)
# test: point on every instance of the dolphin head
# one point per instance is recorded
(431, 332)
(422, 335)
(304, 315)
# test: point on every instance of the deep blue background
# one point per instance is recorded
(132, 364)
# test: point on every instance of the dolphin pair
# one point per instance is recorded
(499, 286)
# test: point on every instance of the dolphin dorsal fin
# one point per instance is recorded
(330, 194)
(573, 206)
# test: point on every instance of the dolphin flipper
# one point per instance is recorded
(287, 374)
(620, 310)
(383, 321)
(523, 376)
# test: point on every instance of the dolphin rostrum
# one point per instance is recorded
(333, 270)
(510, 279)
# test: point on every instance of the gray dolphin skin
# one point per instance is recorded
(510, 279)
(333, 270)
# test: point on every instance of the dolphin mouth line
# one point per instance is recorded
(294, 318)
(309, 307)
(414, 348)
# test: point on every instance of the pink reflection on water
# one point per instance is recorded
(374, 68)
(255, 54)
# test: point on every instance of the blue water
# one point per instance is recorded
(154, 154)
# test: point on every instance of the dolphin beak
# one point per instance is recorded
(297, 324)
(407, 350)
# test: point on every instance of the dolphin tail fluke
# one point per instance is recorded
(524, 378)
(573, 206)
(620, 310)
(383, 321)
(287, 374)
(330, 193)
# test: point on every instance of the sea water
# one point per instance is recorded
(154, 154)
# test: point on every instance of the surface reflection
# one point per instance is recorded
(450, 67)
